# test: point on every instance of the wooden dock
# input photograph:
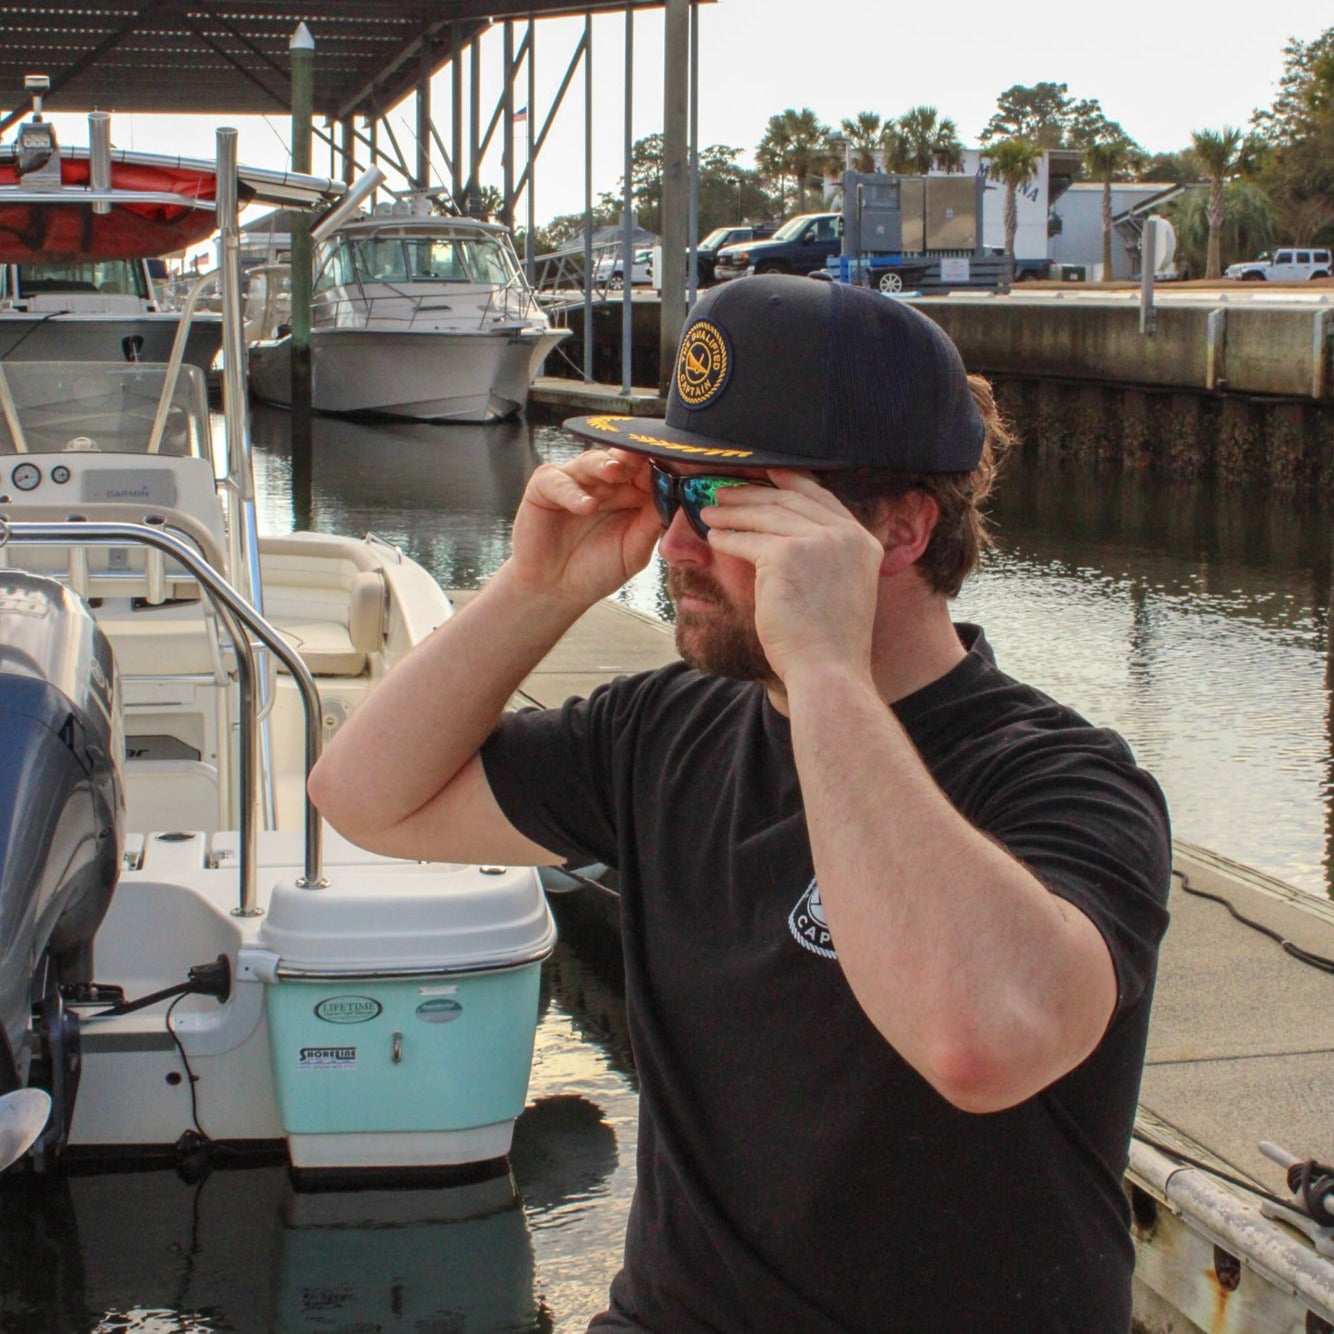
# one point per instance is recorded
(1241, 1050)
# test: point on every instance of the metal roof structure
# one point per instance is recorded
(231, 56)
(234, 58)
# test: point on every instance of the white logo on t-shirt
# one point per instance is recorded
(807, 923)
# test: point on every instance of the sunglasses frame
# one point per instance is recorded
(672, 492)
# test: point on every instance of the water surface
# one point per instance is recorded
(1195, 622)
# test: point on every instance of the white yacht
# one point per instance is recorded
(415, 313)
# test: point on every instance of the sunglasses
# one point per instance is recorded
(691, 494)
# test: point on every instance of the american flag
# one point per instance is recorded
(521, 114)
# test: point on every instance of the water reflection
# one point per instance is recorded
(530, 1249)
(1198, 624)
(1196, 621)
(444, 494)
(241, 1250)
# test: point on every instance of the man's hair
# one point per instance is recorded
(961, 533)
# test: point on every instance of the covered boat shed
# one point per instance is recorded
(369, 56)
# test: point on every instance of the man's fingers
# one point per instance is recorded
(785, 510)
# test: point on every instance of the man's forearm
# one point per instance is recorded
(414, 733)
(984, 981)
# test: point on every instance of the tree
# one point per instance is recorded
(1249, 223)
(1299, 133)
(1306, 91)
(773, 156)
(1039, 114)
(1216, 152)
(893, 150)
(863, 133)
(1048, 116)
(1014, 161)
(1106, 158)
(928, 141)
(1087, 124)
(1169, 168)
(795, 144)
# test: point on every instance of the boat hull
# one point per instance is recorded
(428, 375)
(86, 336)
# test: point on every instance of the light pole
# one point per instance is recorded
(737, 182)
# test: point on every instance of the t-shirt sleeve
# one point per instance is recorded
(1093, 827)
(551, 772)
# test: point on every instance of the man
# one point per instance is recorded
(890, 918)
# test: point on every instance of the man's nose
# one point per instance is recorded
(681, 543)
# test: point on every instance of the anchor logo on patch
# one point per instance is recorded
(808, 926)
(702, 364)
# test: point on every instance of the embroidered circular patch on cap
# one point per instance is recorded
(703, 363)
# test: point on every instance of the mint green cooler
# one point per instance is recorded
(402, 1018)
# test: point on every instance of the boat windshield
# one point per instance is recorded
(119, 277)
(100, 407)
(482, 259)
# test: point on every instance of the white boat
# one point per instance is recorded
(185, 957)
(415, 313)
(95, 310)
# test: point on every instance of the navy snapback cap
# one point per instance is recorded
(776, 371)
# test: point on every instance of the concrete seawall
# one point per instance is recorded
(1243, 347)
(1231, 384)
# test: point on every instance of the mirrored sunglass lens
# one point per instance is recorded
(662, 495)
(696, 492)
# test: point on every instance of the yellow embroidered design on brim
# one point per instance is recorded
(709, 451)
(608, 424)
(702, 364)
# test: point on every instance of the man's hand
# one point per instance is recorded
(584, 527)
(816, 569)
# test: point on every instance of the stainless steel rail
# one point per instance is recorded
(236, 614)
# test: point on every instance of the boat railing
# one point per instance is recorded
(241, 620)
(395, 307)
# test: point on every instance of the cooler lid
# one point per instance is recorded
(408, 917)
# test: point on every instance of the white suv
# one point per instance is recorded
(1285, 266)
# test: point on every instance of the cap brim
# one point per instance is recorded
(652, 436)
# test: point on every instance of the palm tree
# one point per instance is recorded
(893, 151)
(1014, 161)
(929, 141)
(773, 156)
(1105, 157)
(1249, 222)
(1217, 154)
(794, 144)
(809, 148)
(863, 135)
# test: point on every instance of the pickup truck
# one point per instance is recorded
(801, 245)
(1286, 265)
(706, 252)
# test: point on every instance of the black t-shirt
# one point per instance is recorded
(794, 1173)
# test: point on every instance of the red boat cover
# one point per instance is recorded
(31, 232)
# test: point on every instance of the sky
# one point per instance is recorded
(1161, 71)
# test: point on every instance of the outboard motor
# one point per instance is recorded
(62, 828)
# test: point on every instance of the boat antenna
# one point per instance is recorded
(38, 85)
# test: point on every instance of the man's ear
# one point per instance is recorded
(904, 527)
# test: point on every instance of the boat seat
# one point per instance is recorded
(329, 599)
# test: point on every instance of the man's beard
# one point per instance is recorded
(724, 642)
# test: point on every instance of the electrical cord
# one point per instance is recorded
(1320, 961)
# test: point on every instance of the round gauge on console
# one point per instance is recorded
(60, 474)
(26, 476)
